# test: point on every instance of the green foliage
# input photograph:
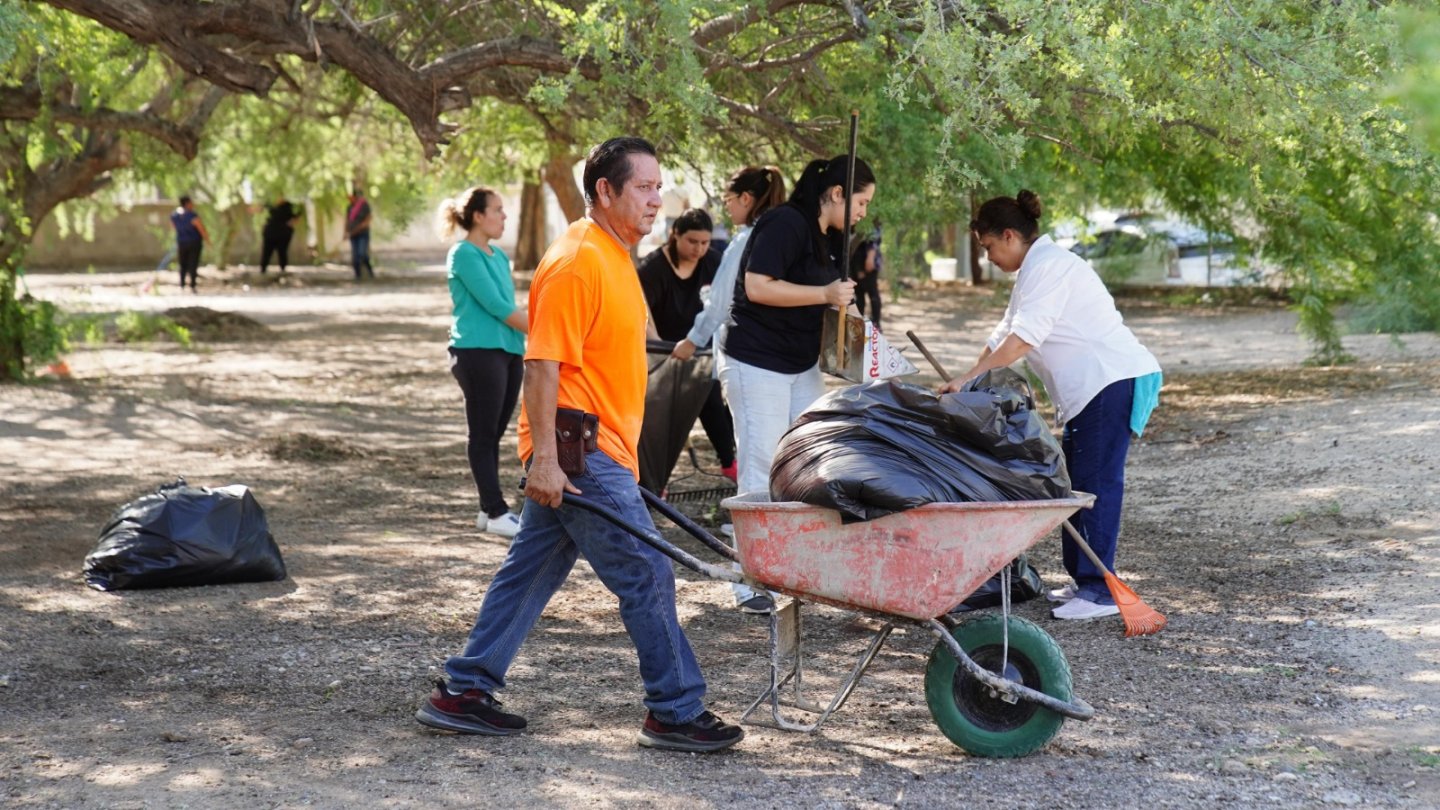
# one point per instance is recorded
(42, 333)
(147, 327)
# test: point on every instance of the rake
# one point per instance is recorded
(1140, 619)
(705, 495)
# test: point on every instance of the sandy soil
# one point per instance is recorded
(1287, 520)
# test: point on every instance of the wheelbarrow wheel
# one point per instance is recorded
(964, 708)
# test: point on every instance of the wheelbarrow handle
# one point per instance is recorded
(691, 527)
(653, 539)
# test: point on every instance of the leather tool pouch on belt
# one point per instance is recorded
(577, 434)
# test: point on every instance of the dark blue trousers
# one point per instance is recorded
(1095, 444)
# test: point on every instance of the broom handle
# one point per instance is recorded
(840, 343)
(1085, 547)
(939, 369)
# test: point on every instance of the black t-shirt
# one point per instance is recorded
(675, 301)
(277, 223)
(785, 340)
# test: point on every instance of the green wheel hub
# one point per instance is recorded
(982, 723)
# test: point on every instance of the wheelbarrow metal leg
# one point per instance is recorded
(1076, 709)
(787, 667)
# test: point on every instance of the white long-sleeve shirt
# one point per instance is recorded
(722, 292)
(1081, 343)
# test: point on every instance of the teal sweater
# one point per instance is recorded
(484, 296)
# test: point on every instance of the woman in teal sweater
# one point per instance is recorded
(487, 343)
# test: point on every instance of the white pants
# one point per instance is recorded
(764, 405)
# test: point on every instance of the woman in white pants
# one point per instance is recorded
(770, 354)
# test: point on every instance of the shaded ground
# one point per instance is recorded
(1287, 520)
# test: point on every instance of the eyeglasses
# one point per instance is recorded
(727, 198)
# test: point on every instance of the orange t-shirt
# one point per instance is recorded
(587, 311)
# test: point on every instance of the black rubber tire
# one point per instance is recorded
(961, 705)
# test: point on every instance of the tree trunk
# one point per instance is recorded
(560, 176)
(977, 276)
(12, 322)
(530, 245)
(38, 194)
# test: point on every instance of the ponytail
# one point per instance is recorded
(460, 211)
(766, 185)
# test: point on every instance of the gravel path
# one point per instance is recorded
(1287, 520)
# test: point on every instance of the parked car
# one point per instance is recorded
(1131, 255)
(1152, 251)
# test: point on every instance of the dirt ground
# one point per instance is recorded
(1286, 520)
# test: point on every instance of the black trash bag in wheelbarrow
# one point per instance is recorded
(675, 393)
(875, 449)
(185, 536)
(1025, 584)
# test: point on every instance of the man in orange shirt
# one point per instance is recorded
(587, 351)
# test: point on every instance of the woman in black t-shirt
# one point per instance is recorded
(789, 274)
(676, 279)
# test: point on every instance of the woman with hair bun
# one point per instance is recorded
(769, 367)
(487, 342)
(1103, 382)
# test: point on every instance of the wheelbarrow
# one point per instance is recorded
(996, 685)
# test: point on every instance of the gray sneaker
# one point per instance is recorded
(759, 604)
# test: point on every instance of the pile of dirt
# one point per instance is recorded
(311, 448)
(210, 325)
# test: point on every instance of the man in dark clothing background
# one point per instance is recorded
(357, 230)
(279, 230)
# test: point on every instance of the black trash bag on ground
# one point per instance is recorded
(1025, 584)
(184, 536)
(883, 447)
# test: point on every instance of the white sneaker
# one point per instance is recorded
(727, 529)
(1083, 610)
(507, 525)
(1063, 595)
(482, 520)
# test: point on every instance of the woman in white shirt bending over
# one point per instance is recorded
(1103, 382)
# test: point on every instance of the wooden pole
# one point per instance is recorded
(840, 333)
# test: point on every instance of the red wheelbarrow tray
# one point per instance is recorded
(918, 563)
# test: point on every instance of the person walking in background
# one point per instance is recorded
(770, 363)
(1103, 382)
(190, 237)
(587, 352)
(487, 343)
(865, 265)
(278, 231)
(357, 230)
(677, 278)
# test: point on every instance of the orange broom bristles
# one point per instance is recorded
(1140, 619)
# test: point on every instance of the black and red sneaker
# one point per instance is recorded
(473, 712)
(705, 733)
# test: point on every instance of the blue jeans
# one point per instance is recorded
(360, 254)
(540, 559)
(1095, 444)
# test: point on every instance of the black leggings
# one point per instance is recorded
(719, 426)
(188, 254)
(279, 245)
(869, 287)
(490, 380)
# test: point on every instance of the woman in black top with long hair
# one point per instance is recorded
(675, 279)
(790, 273)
